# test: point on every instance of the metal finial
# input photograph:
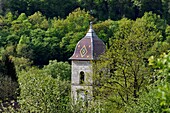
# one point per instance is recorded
(91, 25)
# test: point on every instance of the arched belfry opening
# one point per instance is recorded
(86, 52)
(82, 77)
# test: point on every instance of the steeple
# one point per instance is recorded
(89, 47)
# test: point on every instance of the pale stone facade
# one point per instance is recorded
(77, 68)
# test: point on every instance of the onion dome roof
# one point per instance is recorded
(89, 47)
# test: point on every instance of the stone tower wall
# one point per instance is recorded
(77, 67)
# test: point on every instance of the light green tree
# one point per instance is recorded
(122, 72)
(156, 99)
(60, 70)
(40, 92)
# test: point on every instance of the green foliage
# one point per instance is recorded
(148, 102)
(43, 90)
(163, 65)
(8, 88)
(101, 9)
(93, 107)
(105, 30)
(60, 70)
(38, 20)
(159, 48)
(50, 8)
(72, 29)
(21, 64)
(167, 34)
(122, 72)
(40, 92)
(41, 40)
(156, 100)
(24, 48)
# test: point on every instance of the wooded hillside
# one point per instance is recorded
(37, 37)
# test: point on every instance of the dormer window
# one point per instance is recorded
(82, 75)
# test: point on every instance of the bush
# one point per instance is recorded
(42, 93)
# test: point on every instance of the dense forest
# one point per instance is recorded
(37, 37)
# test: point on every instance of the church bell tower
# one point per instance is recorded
(86, 51)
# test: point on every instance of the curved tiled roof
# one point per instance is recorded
(89, 47)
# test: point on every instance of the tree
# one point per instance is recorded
(106, 29)
(156, 99)
(60, 70)
(122, 72)
(8, 88)
(50, 8)
(39, 92)
(148, 102)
